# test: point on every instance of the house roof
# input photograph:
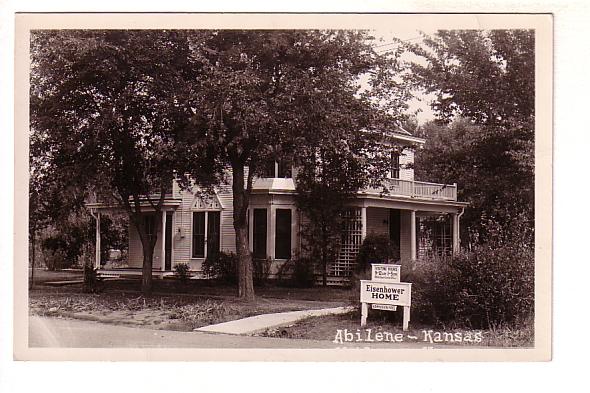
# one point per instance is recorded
(401, 134)
(144, 204)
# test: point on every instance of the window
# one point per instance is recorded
(284, 170)
(259, 235)
(395, 165)
(434, 236)
(213, 231)
(268, 169)
(283, 234)
(280, 169)
(206, 242)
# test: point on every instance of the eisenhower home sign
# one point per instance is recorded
(386, 292)
(395, 293)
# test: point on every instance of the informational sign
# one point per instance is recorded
(394, 293)
(387, 307)
(385, 292)
(385, 273)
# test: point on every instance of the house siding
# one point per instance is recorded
(405, 235)
(406, 159)
(182, 230)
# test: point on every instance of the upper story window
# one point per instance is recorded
(395, 164)
(284, 170)
(281, 169)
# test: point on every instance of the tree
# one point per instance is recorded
(483, 138)
(106, 109)
(271, 94)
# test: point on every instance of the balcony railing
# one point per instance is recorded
(417, 189)
(395, 187)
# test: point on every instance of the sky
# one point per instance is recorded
(385, 41)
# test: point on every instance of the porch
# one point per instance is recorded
(160, 225)
(407, 224)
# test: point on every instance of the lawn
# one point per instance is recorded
(197, 306)
(334, 328)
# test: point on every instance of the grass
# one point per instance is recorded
(162, 310)
(326, 328)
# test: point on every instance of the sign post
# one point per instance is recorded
(385, 292)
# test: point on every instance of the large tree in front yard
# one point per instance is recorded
(272, 95)
(106, 110)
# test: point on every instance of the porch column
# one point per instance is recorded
(97, 255)
(413, 235)
(456, 239)
(163, 236)
(363, 223)
(272, 232)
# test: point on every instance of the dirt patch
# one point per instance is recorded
(346, 328)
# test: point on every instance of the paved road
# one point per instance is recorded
(71, 333)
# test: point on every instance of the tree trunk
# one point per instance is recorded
(146, 273)
(147, 244)
(245, 279)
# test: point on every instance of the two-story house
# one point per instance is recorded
(422, 218)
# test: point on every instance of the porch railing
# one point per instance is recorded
(416, 189)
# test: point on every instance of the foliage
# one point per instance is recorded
(297, 273)
(261, 271)
(106, 109)
(56, 259)
(119, 112)
(222, 266)
(63, 245)
(376, 249)
(489, 286)
(483, 138)
(267, 95)
(93, 282)
(493, 181)
(182, 271)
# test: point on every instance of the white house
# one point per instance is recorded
(421, 217)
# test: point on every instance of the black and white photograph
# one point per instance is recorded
(375, 187)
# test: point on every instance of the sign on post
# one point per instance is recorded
(394, 293)
(386, 273)
(385, 292)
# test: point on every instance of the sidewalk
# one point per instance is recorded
(268, 321)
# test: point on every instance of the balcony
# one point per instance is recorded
(416, 189)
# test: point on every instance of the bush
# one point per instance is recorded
(181, 271)
(376, 249)
(261, 270)
(298, 273)
(222, 266)
(56, 259)
(489, 286)
(93, 282)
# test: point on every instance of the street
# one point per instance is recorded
(71, 333)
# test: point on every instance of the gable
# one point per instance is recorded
(204, 201)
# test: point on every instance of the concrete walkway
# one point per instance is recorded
(268, 321)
